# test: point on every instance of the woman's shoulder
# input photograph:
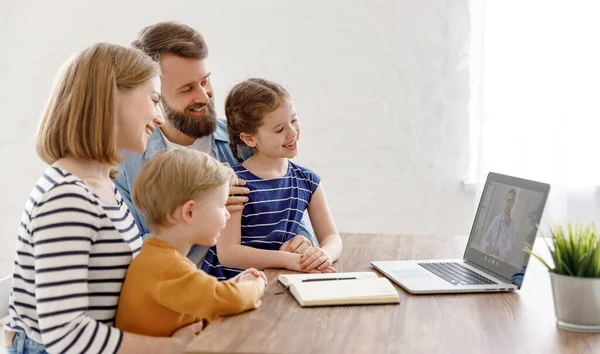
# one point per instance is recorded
(56, 183)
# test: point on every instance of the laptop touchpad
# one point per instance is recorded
(410, 274)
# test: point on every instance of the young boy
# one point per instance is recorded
(182, 195)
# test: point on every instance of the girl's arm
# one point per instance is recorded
(232, 254)
(329, 239)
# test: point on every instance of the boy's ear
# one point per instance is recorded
(248, 139)
(187, 212)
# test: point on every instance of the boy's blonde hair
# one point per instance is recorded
(80, 117)
(173, 177)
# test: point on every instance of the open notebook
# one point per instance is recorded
(357, 288)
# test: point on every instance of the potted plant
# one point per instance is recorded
(575, 276)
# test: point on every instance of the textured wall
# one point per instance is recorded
(381, 89)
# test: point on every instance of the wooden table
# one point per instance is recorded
(521, 322)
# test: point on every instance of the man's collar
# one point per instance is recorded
(158, 140)
(157, 143)
(221, 131)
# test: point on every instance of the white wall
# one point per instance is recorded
(381, 89)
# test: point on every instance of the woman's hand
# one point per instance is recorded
(183, 336)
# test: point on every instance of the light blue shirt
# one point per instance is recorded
(133, 163)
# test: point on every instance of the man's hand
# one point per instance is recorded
(297, 244)
(235, 202)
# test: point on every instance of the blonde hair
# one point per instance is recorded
(247, 104)
(171, 178)
(80, 117)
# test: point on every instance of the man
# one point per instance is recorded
(190, 119)
(498, 239)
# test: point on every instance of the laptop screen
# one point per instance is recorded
(509, 211)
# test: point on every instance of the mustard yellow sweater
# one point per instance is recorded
(164, 291)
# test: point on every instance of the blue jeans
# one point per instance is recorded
(24, 345)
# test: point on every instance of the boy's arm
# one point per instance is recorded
(325, 229)
(234, 255)
(193, 292)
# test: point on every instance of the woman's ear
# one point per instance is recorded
(187, 212)
(248, 139)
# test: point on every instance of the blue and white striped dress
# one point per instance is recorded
(272, 214)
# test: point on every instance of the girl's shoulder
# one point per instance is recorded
(302, 171)
(305, 175)
(242, 172)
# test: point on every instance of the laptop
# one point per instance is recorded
(506, 221)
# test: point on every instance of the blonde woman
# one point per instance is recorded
(77, 237)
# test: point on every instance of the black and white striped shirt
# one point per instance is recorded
(72, 254)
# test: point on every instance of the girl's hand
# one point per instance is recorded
(315, 258)
(297, 244)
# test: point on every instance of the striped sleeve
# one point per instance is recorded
(64, 225)
(311, 179)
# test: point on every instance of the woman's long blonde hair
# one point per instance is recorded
(80, 117)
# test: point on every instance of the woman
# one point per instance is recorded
(77, 237)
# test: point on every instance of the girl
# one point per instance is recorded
(261, 116)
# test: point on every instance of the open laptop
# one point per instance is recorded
(507, 217)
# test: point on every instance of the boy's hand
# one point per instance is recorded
(250, 274)
(259, 280)
(297, 244)
(315, 258)
(235, 202)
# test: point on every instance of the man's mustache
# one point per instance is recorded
(198, 105)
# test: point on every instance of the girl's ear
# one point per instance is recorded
(248, 139)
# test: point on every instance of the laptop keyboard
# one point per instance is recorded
(456, 273)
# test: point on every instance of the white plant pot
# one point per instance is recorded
(576, 303)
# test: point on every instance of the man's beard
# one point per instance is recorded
(193, 126)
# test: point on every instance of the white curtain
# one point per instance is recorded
(540, 103)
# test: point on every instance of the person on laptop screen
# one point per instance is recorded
(498, 239)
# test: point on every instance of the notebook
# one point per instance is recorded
(353, 288)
